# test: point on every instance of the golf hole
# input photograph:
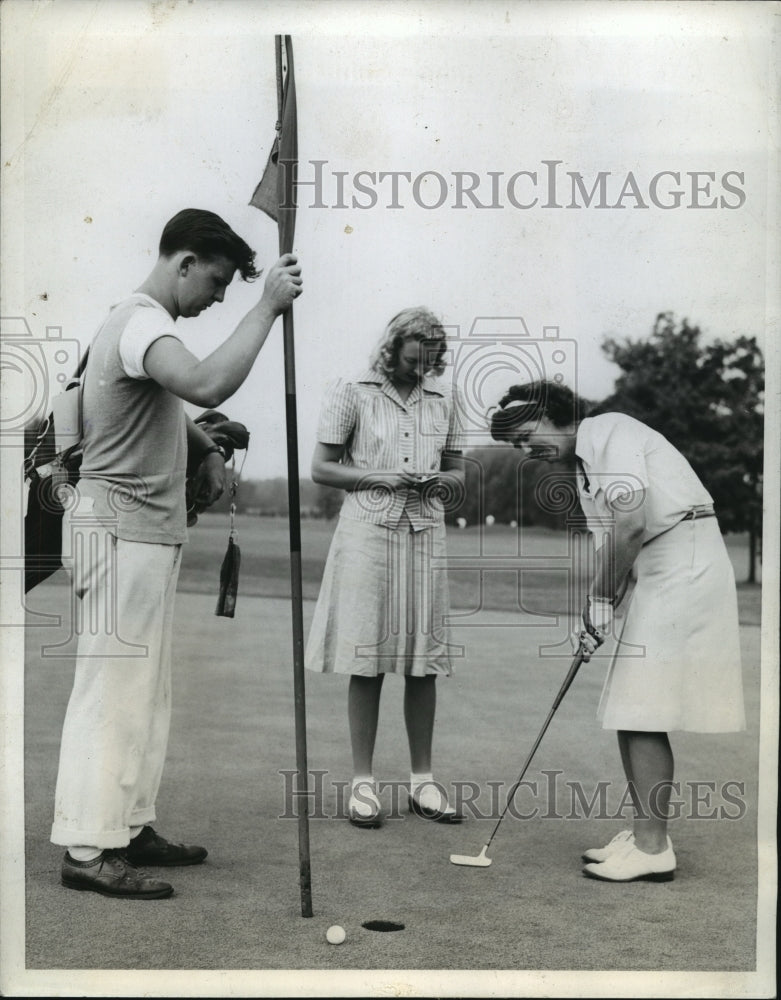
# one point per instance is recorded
(382, 925)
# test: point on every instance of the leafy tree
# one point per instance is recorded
(707, 400)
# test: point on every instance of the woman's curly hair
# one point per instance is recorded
(416, 323)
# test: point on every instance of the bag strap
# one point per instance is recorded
(29, 461)
(83, 363)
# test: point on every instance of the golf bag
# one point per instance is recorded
(50, 467)
(52, 460)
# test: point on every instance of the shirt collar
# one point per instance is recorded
(580, 465)
(427, 385)
(147, 299)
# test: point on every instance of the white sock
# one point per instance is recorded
(428, 794)
(364, 783)
(416, 780)
(85, 853)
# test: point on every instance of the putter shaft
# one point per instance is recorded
(481, 861)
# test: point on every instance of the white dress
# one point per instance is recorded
(677, 663)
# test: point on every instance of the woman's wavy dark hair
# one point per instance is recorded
(522, 404)
(209, 236)
(416, 323)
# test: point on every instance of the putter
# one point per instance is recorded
(482, 860)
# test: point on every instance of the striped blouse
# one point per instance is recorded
(380, 431)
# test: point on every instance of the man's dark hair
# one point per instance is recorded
(522, 404)
(209, 236)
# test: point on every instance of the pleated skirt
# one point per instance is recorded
(677, 663)
(383, 603)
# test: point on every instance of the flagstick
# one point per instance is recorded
(294, 514)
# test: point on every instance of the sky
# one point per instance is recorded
(125, 111)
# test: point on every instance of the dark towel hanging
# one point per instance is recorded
(229, 580)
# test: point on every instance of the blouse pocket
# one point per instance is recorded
(374, 439)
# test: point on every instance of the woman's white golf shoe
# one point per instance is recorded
(629, 864)
(603, 853)
(600, 854)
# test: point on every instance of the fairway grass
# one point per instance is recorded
(489, 577)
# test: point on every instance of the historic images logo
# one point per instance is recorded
(549, 185)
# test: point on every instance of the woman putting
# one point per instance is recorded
(641, 494)
(389, 439)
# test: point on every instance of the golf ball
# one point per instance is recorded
(335, 934)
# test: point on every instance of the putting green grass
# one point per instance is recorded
(225, 786)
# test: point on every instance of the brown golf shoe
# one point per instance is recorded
(149, 848)
(111, 875)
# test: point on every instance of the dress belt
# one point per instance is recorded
(698, 512)
(691, 515)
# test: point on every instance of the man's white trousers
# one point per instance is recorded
(115, 734)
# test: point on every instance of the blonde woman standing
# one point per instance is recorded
(390, 439)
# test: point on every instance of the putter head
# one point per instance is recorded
(480, 861)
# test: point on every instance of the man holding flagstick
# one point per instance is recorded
(131, 514)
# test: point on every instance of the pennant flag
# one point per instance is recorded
(275, 194)
(265, 195)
